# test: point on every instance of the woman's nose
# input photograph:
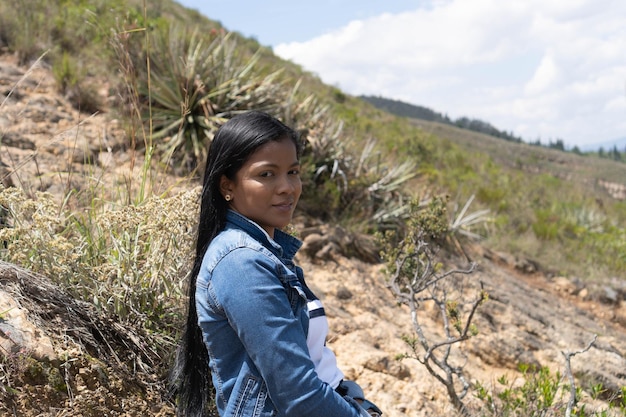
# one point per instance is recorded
(285, 185)
(288, 184)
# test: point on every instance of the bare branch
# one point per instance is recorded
(568, 370)
(415, 279)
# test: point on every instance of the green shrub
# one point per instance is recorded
(539, 393)
(72, 82)
(66, 72)
(25, 27)
(546, 225)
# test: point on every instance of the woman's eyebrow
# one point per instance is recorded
(275, 165)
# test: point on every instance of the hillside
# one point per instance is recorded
(69, 357)
(506, 149)
(541, 197)
(590, 172)
(412, 111)
(365, 320)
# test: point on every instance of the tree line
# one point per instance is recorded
(402, 109)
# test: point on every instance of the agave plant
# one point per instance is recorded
(346, 181)
(197, 83)
(460, 225)
(391, 203)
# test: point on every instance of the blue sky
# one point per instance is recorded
(273, 22)
(543, 69)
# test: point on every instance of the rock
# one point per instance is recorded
(312, 244)
(325, 242)
(583, 294)
(18, 335)
(609, 295)
(343, 293)
(527, 266)
(562, 284)
(620, 314)
(388, 366)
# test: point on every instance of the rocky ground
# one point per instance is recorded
(530, 317)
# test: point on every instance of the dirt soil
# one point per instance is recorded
(530, 317)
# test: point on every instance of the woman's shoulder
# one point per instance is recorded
(234, 256)
(234, 245)
(235, 238)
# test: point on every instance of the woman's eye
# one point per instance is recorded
(294, 172)
(266, 174)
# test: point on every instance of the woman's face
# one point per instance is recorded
(267, 187)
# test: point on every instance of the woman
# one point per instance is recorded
(247, 300)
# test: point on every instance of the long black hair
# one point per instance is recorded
(231, 147)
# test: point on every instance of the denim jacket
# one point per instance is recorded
(252, 311)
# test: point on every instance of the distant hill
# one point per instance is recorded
(613, 150)
(402, 109)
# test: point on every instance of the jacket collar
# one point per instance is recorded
(283, 245)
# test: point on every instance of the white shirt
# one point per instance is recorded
(323, 358)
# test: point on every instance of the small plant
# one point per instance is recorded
(13, 365)
(539, 395)
(71, 81)
(416, 279)
(545, 394)
(66, 72)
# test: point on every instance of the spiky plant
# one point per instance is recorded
(461, 224)
(388, 203)
(193, 83)
(346, 181)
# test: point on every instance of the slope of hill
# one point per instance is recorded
(48, 145)
(421, 113)
(530, 159)
(367, 324)
(520, 183)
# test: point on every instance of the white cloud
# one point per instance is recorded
(546, 76)
(548, 68)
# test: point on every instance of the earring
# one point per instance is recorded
(227, 197)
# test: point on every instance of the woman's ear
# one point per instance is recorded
(225, 187)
